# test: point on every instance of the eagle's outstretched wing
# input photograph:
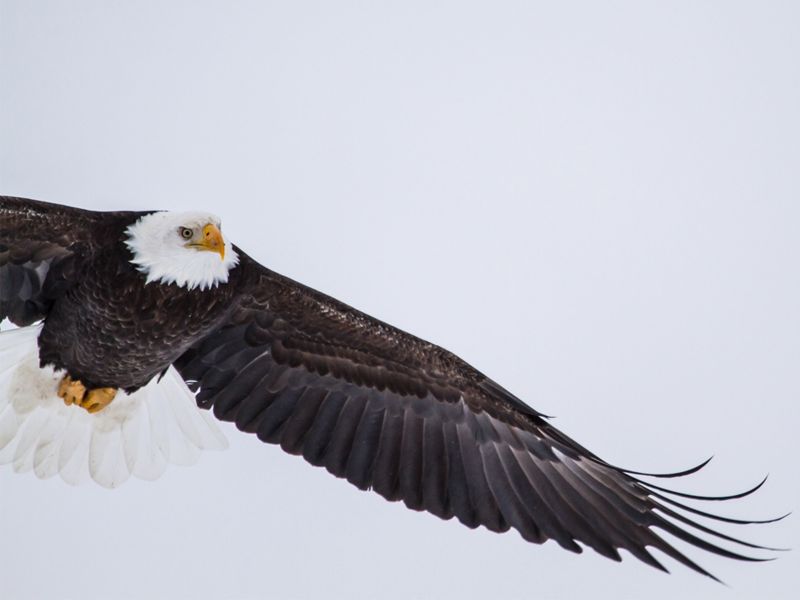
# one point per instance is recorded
(393, 413)
(37, 239)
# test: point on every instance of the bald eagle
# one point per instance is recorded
(133, 326)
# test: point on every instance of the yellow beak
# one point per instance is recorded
(212, 240)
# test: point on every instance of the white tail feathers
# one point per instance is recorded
(137, 434)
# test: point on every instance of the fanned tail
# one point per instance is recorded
(137, 434)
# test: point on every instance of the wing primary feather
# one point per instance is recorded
(213, 381)
(709, 515)
(410, 474)
(689, 471)
(670, 551)
(457, 487)
(554, 517)
(358, 470)
(523, 477)
(248, 414)
(511, 506)
(683, 519)
(642, 554)
(486, 508)
(341, 443)
(485, 504)
(603, 522)
(673, 529)
(387, 458)
(249, 401)
(276, 413)
(322, 429)
(636, 539)
(435, 469)
(628, 499)
(708, 498)
(301, 420)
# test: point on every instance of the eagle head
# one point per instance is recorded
(185, 249)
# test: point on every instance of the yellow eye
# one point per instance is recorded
(186, 233)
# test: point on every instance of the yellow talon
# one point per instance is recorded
(74, 392)
(98, 398)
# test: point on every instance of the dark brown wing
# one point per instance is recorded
(38, 241)
(396, 414)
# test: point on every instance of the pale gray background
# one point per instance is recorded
(597, 203)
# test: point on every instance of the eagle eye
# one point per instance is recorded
(185, 233)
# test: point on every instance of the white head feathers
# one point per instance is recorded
(163, 251)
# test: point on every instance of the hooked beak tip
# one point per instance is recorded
(213, 241)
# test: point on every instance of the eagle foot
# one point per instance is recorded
(94, 400)
(98, 398)
(72, 391)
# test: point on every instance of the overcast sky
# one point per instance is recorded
(595, 203)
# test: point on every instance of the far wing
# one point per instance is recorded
(38, 239)
(411, 421)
